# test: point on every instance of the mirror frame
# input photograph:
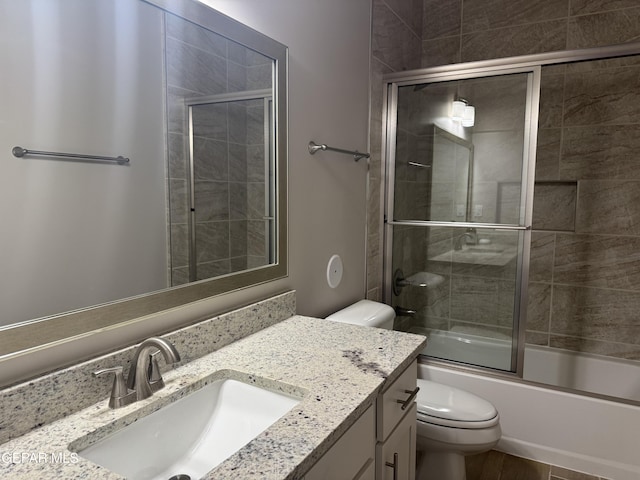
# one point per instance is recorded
(31, 335)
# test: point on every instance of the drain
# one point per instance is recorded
(180, 476)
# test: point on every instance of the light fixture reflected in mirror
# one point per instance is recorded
(468, 116)
(462, 112)
(457, 110)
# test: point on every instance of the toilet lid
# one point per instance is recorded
(451, 405)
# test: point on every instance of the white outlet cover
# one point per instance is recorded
(334, 271)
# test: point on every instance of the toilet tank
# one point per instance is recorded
(367, 313)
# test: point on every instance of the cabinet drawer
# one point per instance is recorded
(391, 405)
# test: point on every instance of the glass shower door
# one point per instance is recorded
(459, 211)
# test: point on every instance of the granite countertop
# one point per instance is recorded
(337, 368)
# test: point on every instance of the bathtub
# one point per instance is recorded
(582, 371)
(586, 434)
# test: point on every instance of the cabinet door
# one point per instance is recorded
(396, 457)
(352, 456)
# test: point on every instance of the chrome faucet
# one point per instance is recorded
(144, 374)
(461, 240)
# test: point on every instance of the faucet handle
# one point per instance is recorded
(155, 378)
(120, 394)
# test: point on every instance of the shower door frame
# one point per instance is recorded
(269, 217)
(460, 71)
(392, 83)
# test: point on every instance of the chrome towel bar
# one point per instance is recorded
(21, 152)
(314, 147)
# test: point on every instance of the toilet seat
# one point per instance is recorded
(451, 407)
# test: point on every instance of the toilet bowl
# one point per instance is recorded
(451, 422)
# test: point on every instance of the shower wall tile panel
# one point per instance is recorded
(541, 257)
(213, 158)
(601, 151)
(393, 41)
(539, 307)
(582, 7)
(441, 51)
(595, 313)
(212, 201)
(609, 96)
(548, 154)
(410, 11)
(598, 261)
(605, 28)
(611, 206)
(512, 41)
(441, 19)
(212, 239)
(554, 206)
(195, 69)
(492, 14)
(551, 98)
(191, 34)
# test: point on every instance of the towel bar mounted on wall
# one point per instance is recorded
(314, 147)
(21, 152)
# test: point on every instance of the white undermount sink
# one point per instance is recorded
(192, 435)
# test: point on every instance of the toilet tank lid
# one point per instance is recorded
(450, 403)
(364, 312)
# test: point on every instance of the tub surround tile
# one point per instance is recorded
(601, 152)
(194, 69)
(607, 28)
(66, 391)
(410, 11)
(598, 261)
(338, 369)
(393, 41)
(539, 306)
(541, 257)
(441, 51)
(554, 206)
(604, 97)
(441, 19)
(211, 159)
(609, 206)
(598, 314)
(551, 101)
(513, 41)
(548, 154)
(582, 7)
(489, 14)
(186, 32)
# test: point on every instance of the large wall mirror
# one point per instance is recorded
(143, 148)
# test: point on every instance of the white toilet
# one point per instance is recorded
(452, 423)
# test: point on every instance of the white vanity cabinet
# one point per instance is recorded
(396, 428)
(381, 444)
(352, 457)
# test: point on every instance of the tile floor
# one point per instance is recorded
(495, 465)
